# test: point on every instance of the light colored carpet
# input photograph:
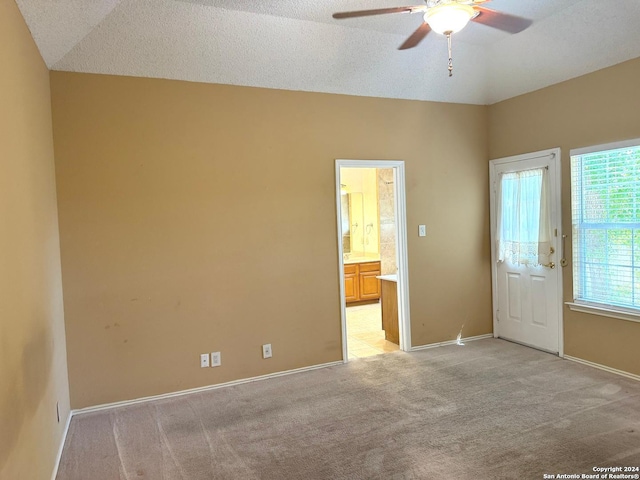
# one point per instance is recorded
(486, 410)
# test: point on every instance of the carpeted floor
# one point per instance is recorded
(486, 410)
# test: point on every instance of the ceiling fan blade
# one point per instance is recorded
(416, 37)
(501, 21)
(381, 11)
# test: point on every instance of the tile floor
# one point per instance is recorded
(365, 336)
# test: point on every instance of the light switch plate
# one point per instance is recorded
(216, 359)
(422, 230)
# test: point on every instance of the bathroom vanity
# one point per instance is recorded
(389, 302)
(360, 281)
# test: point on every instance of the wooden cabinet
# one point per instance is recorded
(360, 282)
(390, 311)
(351, 283)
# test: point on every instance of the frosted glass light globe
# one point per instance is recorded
(449, 17)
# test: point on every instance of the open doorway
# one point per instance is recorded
(372, 257)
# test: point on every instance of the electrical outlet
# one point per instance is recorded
(216, 359)
(204, 360)
(266, 350)
(422, 230)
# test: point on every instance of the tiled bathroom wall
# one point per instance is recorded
(387, 221)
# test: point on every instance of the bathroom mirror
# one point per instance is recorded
(352, 206)
(346, 223)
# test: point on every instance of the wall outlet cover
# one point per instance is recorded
(204, 360)
(266, 350)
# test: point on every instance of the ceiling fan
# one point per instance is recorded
(448, 17)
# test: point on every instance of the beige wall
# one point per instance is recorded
(188, 225)
(33, 373)
(594, 109)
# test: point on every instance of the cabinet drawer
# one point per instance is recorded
(351, 269)
(370, 267)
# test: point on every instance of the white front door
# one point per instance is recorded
(527, 277)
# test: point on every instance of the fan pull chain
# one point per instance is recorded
(450, 56)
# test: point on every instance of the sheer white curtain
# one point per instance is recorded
(524, 219)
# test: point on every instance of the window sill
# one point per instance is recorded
(604, 311)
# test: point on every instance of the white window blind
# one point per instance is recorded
(605, 203)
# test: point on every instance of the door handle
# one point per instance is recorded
(550, 265)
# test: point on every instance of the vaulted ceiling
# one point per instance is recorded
(297, 45)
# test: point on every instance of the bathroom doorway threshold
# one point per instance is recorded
(404, 322)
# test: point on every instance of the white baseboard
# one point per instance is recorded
(451, 342)
(632, 376)
(135, 401)
(61, 447)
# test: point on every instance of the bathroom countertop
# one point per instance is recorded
(389, 278)
(361, 259)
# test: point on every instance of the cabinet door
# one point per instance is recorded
(351, 284)
(369, 285)
(390, 311)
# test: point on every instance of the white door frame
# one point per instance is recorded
(404, 322)
(555, 155)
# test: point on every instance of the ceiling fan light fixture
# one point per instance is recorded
(449, 17)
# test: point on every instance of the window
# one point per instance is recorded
(605, 205)
(524, 231)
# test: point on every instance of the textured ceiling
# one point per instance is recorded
(297, 45)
